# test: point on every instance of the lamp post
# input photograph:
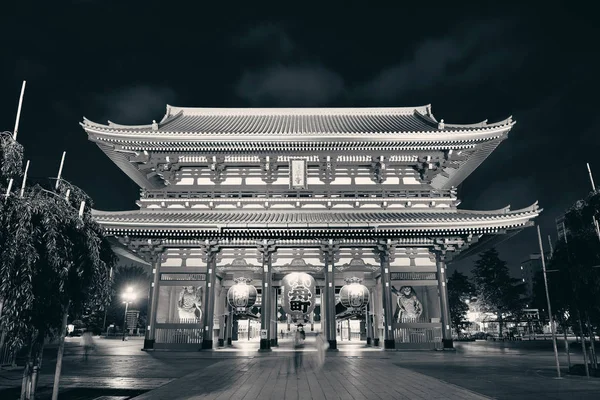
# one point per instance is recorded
(128, 297)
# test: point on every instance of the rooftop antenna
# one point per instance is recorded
(19, 111)
(24, 179)
(60, 169)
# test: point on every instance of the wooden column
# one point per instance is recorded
(211, 251)
(384, 249)
(329, 248)
(444, 306)
(149, 339)
(273, 317)
(266, 248)
(229, 325)
(369, 319)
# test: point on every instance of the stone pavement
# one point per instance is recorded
(274, 377)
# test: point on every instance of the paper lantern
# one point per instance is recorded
(298, 294)
(354, 295)
(242, 296)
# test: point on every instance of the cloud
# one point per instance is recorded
(267, 38)
(135, 105)
(463, 56)
(290, 86)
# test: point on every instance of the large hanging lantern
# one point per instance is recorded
(242, 296)
(298, 294)
(354, 295)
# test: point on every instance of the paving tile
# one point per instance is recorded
(275, 377)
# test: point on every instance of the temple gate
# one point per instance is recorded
(360, 193)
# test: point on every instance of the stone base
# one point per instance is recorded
(207, 345)
(148, 344)
(274, 343)
(368, 341)
(221, 343)
(376, 342)
(265, 345)
(228, 341)
(389, 344)
(332, 344)
(448, 344)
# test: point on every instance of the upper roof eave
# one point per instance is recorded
(259, 129)
(391, 220)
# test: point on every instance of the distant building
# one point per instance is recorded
(561, 228)
(531, 266)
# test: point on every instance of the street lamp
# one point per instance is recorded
(128, 297)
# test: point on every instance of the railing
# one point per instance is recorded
(179, 336)
(266, 193)
(412, 276)
(418, 335)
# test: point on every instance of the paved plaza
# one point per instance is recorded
(480, 370)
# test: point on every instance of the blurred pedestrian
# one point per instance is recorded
(322, 346)
(298, 347)
(88, 344)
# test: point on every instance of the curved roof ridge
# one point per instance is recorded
(477, 125)
(296, 110)
(534, 207)
(89, 122)
(503, 210)
(121, 126)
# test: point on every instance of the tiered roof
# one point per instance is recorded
(183, 223)
(299, 131)
(407, 125)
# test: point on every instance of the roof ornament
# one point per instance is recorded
(154, 125)
(441, 125)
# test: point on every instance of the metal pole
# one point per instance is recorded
(591, 177)
(552, 327)
(19, 111)
(125, 320)
(24, 179)
(62, 161)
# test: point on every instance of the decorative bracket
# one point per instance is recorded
(330, 251)
(266, 249)
(378, 169)
(385, 248)
(217, 169)
(327, 166)
(150, 250)
(268, 168)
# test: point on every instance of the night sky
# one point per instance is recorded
(125, 60)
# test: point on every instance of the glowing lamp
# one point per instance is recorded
(242, 296)
(354, 295)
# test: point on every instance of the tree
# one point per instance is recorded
(52, 260)
(460, 291)
(497, 291)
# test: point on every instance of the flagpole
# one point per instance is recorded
(591, 177)
(19, 111)
(24, 179)
(62, 161)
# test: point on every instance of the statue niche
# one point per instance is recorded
(410, 307)
(189, 305)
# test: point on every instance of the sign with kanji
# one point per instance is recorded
(298, 294)
(298, 174)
